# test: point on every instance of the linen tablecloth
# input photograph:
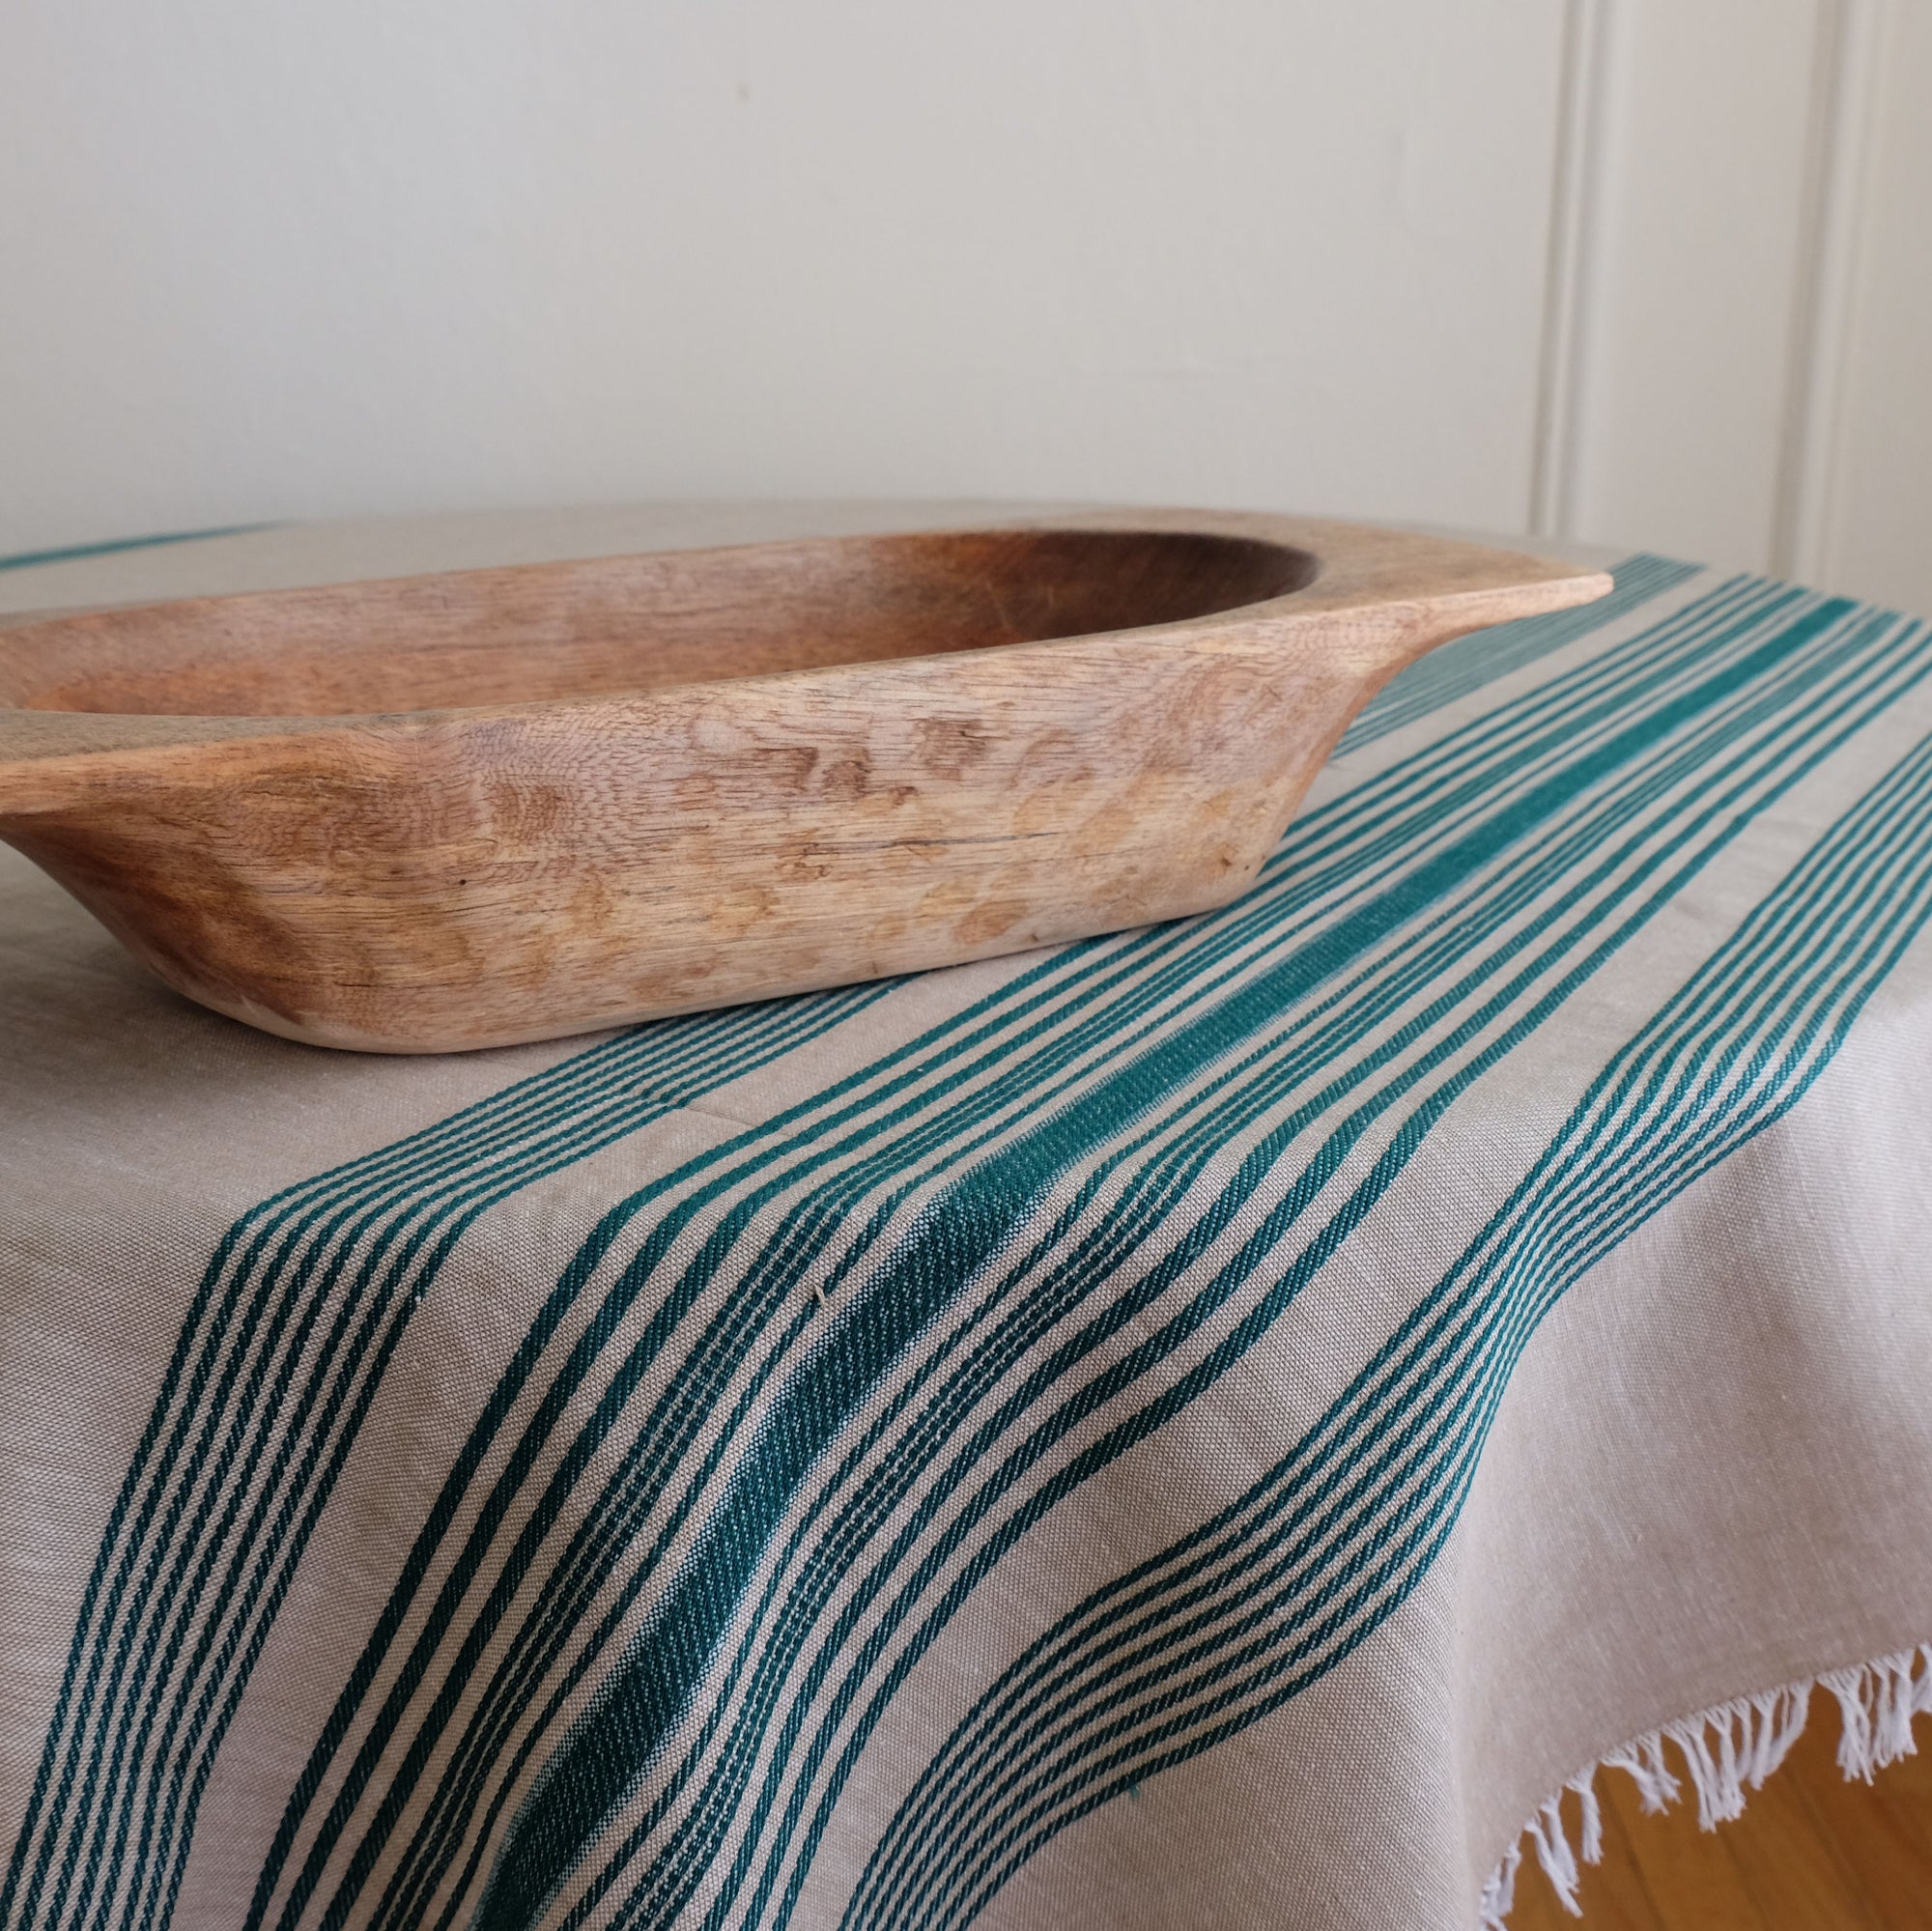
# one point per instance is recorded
(1207, 1427)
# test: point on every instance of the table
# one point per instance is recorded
(1207, 1427)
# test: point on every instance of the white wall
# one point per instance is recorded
(1874, 514)
(1506, 263)
(1745, 265)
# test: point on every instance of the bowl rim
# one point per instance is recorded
(1356, 570)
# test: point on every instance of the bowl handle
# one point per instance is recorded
(1412, 590)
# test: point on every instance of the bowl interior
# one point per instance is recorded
(629, 623)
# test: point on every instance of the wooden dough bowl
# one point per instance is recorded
(494, 806)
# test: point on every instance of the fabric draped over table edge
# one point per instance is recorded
(1728, 1749)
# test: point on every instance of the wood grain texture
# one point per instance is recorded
(465, 810)
(1812, 1853)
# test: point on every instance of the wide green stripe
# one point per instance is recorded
(1894, 913)
(32, 559)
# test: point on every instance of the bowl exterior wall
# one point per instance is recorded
(437, 884)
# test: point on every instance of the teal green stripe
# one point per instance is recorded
(1812, 1071)
(1025, 1717)
(1579, 699)
(280, 1548)
(173, 1591)
(1898, 913)
(1599, 1165)
(1169, 1663)
(32, 559)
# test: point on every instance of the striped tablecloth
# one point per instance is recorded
(1209, 1427)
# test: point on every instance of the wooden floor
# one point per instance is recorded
(1812, 1853)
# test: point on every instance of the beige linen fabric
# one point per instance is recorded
(943, 1453)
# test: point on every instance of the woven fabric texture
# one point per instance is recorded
(1206, 1427)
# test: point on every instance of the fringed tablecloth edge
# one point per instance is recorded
(1728, 1749)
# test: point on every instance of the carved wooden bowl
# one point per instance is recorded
(502, 805)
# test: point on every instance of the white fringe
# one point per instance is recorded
(1727, 1750)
